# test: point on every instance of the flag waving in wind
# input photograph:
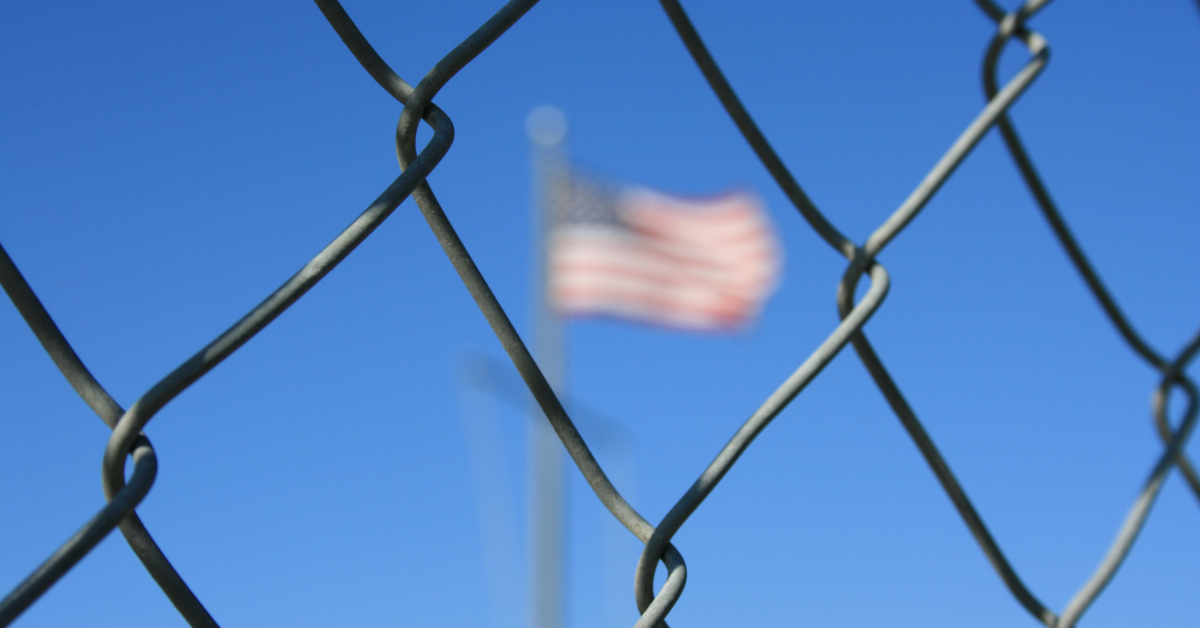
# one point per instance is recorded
(704, 264)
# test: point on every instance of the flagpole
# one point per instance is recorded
(547, 128)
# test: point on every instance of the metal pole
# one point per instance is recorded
(547, 127)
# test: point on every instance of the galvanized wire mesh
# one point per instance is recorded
(128, 441)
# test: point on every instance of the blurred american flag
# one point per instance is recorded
(704, 263)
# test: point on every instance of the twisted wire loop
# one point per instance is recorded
(862, 260)
(1049, 210)
(417, 99)
(98, 399)
(127, 439)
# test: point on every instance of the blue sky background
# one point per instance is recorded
(163, 167)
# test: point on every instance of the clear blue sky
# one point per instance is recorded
(164, 166)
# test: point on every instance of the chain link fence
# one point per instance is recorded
(862, 261)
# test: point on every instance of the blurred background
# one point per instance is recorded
(164, 167)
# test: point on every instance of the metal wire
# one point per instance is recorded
(127, 440)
